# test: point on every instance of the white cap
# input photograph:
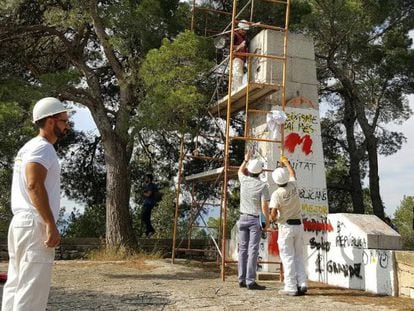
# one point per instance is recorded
(243, 25)
(255, 166)
(280, 176)
(47, 107)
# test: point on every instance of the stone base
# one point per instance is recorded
(268, 276)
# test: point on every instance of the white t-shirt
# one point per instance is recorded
(37, 150)
(286, 200)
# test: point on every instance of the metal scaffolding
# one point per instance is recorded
(223, 107)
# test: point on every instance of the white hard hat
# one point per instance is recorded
(255, 166)
(47, 107)
(243, 25)
(280, 176)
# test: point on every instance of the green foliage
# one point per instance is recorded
(265, 12)
(403, 219)
(337, 179)
(90, 223)
(365, 67)
(15, 129)
(5, 210)
(163, 215)
(175, 79)
(74, 18)
(141, 25)
(59, 80)
(83, 171)
(90, 53)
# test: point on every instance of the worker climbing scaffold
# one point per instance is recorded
(245, 92)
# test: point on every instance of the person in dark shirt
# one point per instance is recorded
(149, 203)
(239, 45)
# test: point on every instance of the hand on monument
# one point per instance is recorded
(284, 160)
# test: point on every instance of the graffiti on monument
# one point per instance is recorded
(303, 165)
(301, 126)
(352, 270)
(376, 257)
(294, 139)
(319, 263)
(273, 246)
(345, 238)
(322, 224)
(314, 209)
(313, 194)
(300, 122)
(320, 245)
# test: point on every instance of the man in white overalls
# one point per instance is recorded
(285, 200)
(35, 203)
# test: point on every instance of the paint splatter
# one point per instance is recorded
(307, 144)
(315, 226)
(273, 248)
(294, 139)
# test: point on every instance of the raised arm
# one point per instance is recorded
(242, 168)
(285, 161)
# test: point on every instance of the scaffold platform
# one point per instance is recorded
(257, 91)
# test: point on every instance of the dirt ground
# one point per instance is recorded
(188, 285)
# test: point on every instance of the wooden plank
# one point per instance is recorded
(211, 175)
(257, 91)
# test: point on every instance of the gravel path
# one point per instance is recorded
(159, 285)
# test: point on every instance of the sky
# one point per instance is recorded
(397, 170)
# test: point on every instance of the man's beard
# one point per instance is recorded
(59, 133)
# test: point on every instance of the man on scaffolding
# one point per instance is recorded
(240, 45)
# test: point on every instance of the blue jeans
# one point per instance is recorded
(146, 218)
(249, 240)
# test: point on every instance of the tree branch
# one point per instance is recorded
(102, 36)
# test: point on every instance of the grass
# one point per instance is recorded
(135, 259)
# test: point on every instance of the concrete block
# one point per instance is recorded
(366, 231)
(301, 70)
(298, 45)
(389, 242)
(268, 276)
(405, 257)
(310, 91)
(300, 64)
(405, 271)
(373, 241)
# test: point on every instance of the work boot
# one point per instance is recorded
(255, 286)
(242, 284)
(302, 290)
(288, 293)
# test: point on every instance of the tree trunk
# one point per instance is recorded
(374, 186)
(354, 159)
(119, 231)
(372, 148)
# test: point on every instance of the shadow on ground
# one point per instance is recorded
(63, 300)
(179, 276)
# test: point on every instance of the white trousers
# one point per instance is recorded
(237, 79)
(290, 243)
(30, 266)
